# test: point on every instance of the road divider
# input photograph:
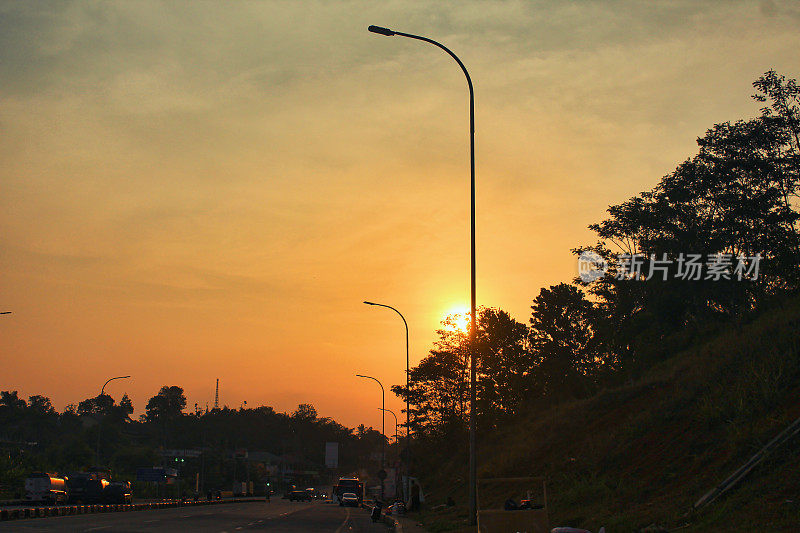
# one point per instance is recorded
(66, 510)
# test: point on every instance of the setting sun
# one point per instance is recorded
(456, 318)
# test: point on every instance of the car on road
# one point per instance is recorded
(348, 484)
(349, 499)
(299, 496)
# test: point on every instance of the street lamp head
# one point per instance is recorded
(370, 303)
(380, 30)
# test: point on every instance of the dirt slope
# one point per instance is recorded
(644, 453)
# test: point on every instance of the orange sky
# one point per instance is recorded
(192, 191)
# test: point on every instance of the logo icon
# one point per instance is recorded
(591, 266)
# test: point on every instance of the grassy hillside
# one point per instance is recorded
(642, 454)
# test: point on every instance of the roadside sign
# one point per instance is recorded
(155, 474)
(151, 474)
(332, 454)
(181, 453)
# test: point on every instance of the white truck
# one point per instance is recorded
(45, 488)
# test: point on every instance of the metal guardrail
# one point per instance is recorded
(745, 469)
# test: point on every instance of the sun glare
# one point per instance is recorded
(457, 318)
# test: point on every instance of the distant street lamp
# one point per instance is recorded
(473, 509)
(383, 416)
(383, 424)
(396, 440)
(100, 419)
(407, 460)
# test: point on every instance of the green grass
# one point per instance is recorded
(643, 453)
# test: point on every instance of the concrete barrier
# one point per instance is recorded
(38, 512)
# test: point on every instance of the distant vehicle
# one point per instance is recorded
(397, 508)
(45, 488)
(312, 493)
(118, 492)
(86, 487)
(349, 499)
(299, 496)
(351, 485)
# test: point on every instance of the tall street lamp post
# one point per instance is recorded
(383, 424)
(100, 420)
(407, 460)
(472, 331)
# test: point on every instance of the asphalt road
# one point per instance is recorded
(278, 516)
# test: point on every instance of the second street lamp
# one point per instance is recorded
(407, 459)
(396, 440)
(473, 485)
(383, 424)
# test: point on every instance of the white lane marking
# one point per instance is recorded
(347, 518)
(151, 521)
(96, 528)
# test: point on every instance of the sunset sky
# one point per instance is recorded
(201, 190)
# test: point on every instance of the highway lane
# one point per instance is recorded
(280, 516)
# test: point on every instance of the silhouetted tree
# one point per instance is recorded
(504, 365)
(563, 343)
(10, 400)
(100, 405)
(168, 404)
(736, 197)
(439, 394)
(305, 413)
(126, 406)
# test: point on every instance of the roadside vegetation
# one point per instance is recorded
(34, 437)
(638, 391)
